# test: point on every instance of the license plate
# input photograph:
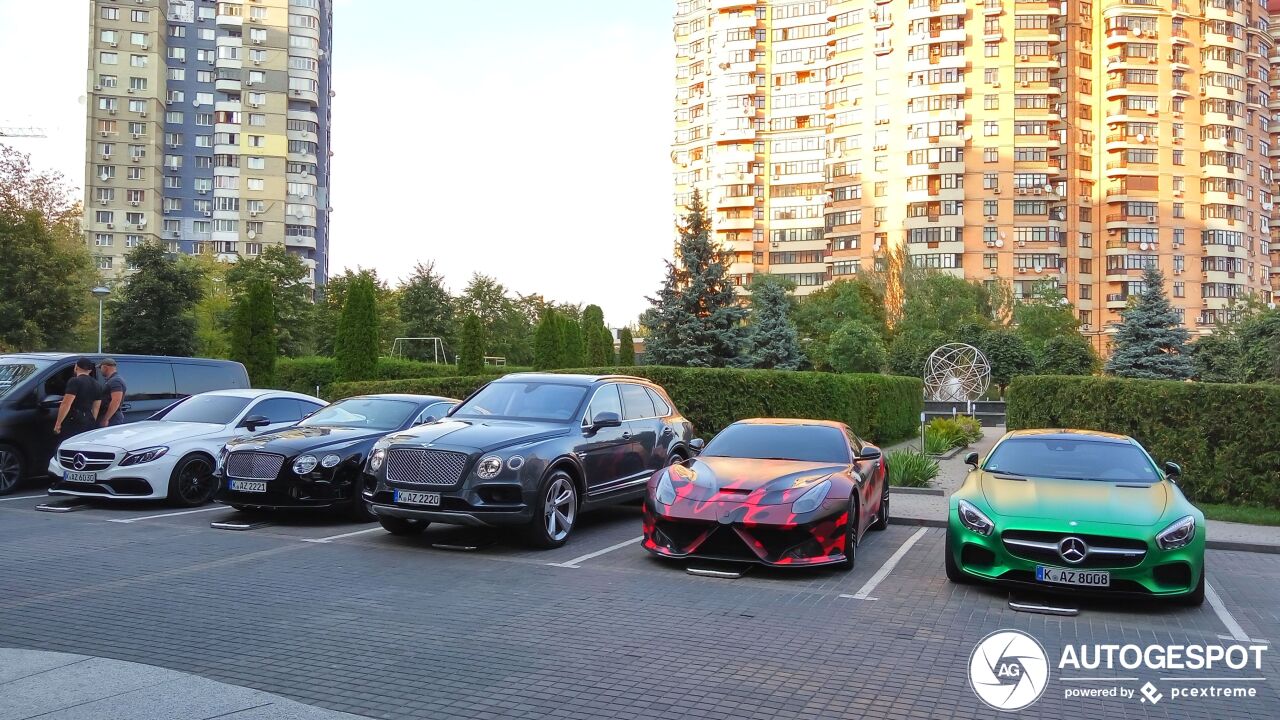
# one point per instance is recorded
(81, 477)
(1079, 578)
(246, 486)
(408, 497)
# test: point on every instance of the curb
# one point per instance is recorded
(921, 522)
(916, 491)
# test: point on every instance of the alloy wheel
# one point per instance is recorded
(195, 481)
(561, 509)
(10, 470)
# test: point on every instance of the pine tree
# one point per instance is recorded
(574, 352)
(253, 333)
(592, 324)
(772, 342)
(607, 355)
(356, 344)
(626, 348)
(547, 342)
(695, 320)
(1150, 342)
(471, 354)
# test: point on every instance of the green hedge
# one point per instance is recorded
(884, 408)
(1226, 437)
(305, 373)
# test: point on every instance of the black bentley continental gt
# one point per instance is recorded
(317, 463)
(528, 449)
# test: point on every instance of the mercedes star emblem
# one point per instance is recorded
(1073, 550)
(78, 462)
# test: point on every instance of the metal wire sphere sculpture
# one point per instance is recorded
(956, 372)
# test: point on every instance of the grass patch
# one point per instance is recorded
(911, 468)
(1250, 514)
(936, 443)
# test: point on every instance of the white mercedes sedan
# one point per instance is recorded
(171, 455)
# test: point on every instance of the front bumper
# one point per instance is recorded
(472, 502)
(148, 481)
(288, 491)
(1160, 573)
(765, 535)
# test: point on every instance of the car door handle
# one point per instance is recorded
(126, 407)
(667, 431)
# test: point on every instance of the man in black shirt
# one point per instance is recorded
(113, 390)
(80, 400)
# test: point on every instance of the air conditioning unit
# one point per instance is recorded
(1177, 271)
(111, 226)
(1025, 83)
(1151, 218)
(106, 156)
(136, 158)
(133, 203)
(202, 192)
(112, 111)
(142, 114)
(103, 201)
(1037, 191)
(257, 41)
(97, 87)
(991, 218)
(257, 62)
(137, 136)
(103, 133)
(253, 213)
(1024, 58)
(255, 105)
(299, 92)
(208, 214)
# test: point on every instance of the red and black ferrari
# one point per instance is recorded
(775, 492)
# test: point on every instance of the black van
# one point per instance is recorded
(31, 386)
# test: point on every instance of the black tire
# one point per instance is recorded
(555, 511)
(192, 483)
(12, 469)
(954, 573)
(1195, 598)
(882, 518)
(851, 542)
(402, 526)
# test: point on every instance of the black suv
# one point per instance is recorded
(31, 386)
(528, 449)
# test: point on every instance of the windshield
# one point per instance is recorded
(14, 373)
(363, 413)
(524, 401)
(1105, 461)
(215, 409)
(808, 443)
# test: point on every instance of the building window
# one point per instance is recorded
(990, 127)
(991, 154)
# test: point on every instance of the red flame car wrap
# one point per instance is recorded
(776, 492)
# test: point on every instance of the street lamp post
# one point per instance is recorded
(101, 292)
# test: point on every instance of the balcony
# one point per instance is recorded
(935, 8)
(735, 201)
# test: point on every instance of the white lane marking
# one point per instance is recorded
(1233, 627)
(21, 497)
(165, 515)
(576, 562)
(331, 538)
(865, 592)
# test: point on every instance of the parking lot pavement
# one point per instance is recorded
(397, 627)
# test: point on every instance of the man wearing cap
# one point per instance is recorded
(80, 400)
(113, 390)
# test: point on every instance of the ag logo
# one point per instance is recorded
(1008, 670)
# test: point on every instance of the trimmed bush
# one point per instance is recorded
(305, 373)
(1226, 437)
(880, 407)
(960, 431)
(911, 468)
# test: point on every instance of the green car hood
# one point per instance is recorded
(1079, 500)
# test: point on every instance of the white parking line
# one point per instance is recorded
(865, 592)
(1233, 627)
(331, 538)
(576, 562)
(21, 497)
(165, 515)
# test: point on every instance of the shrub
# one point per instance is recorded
(936, 443)
(1226, 437)
(880, 407)
(910, 468)
(960, 431)
(305, 373)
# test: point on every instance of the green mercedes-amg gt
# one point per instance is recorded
(1076, 511)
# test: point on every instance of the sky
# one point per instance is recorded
(529, 141)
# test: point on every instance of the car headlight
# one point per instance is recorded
(378, 455)
(666, 493)
(145, 455)
(330, 460)
(974, 519)
(489, 467)
(305, 464)
(812, 498)
(1179, 534)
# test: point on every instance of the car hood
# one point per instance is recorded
(1078, 500)
(294, 440)
(748, 481)
(135, 436)
(479, 434)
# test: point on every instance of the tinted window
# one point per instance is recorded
(277, 410)
(1072, 459)
(635, 402)
(218, 409)
(605, 400)
(15, 372)
(660, 405)
(363, 413)
(524, 401)
(147, 380)
(811, 443)
(194, 378)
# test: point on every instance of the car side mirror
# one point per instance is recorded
(1173, 471)
(253, 422)
(697, 444)
(51, 402)
(971, 460)
(428, 420)
(869, 453)
(606, 420)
